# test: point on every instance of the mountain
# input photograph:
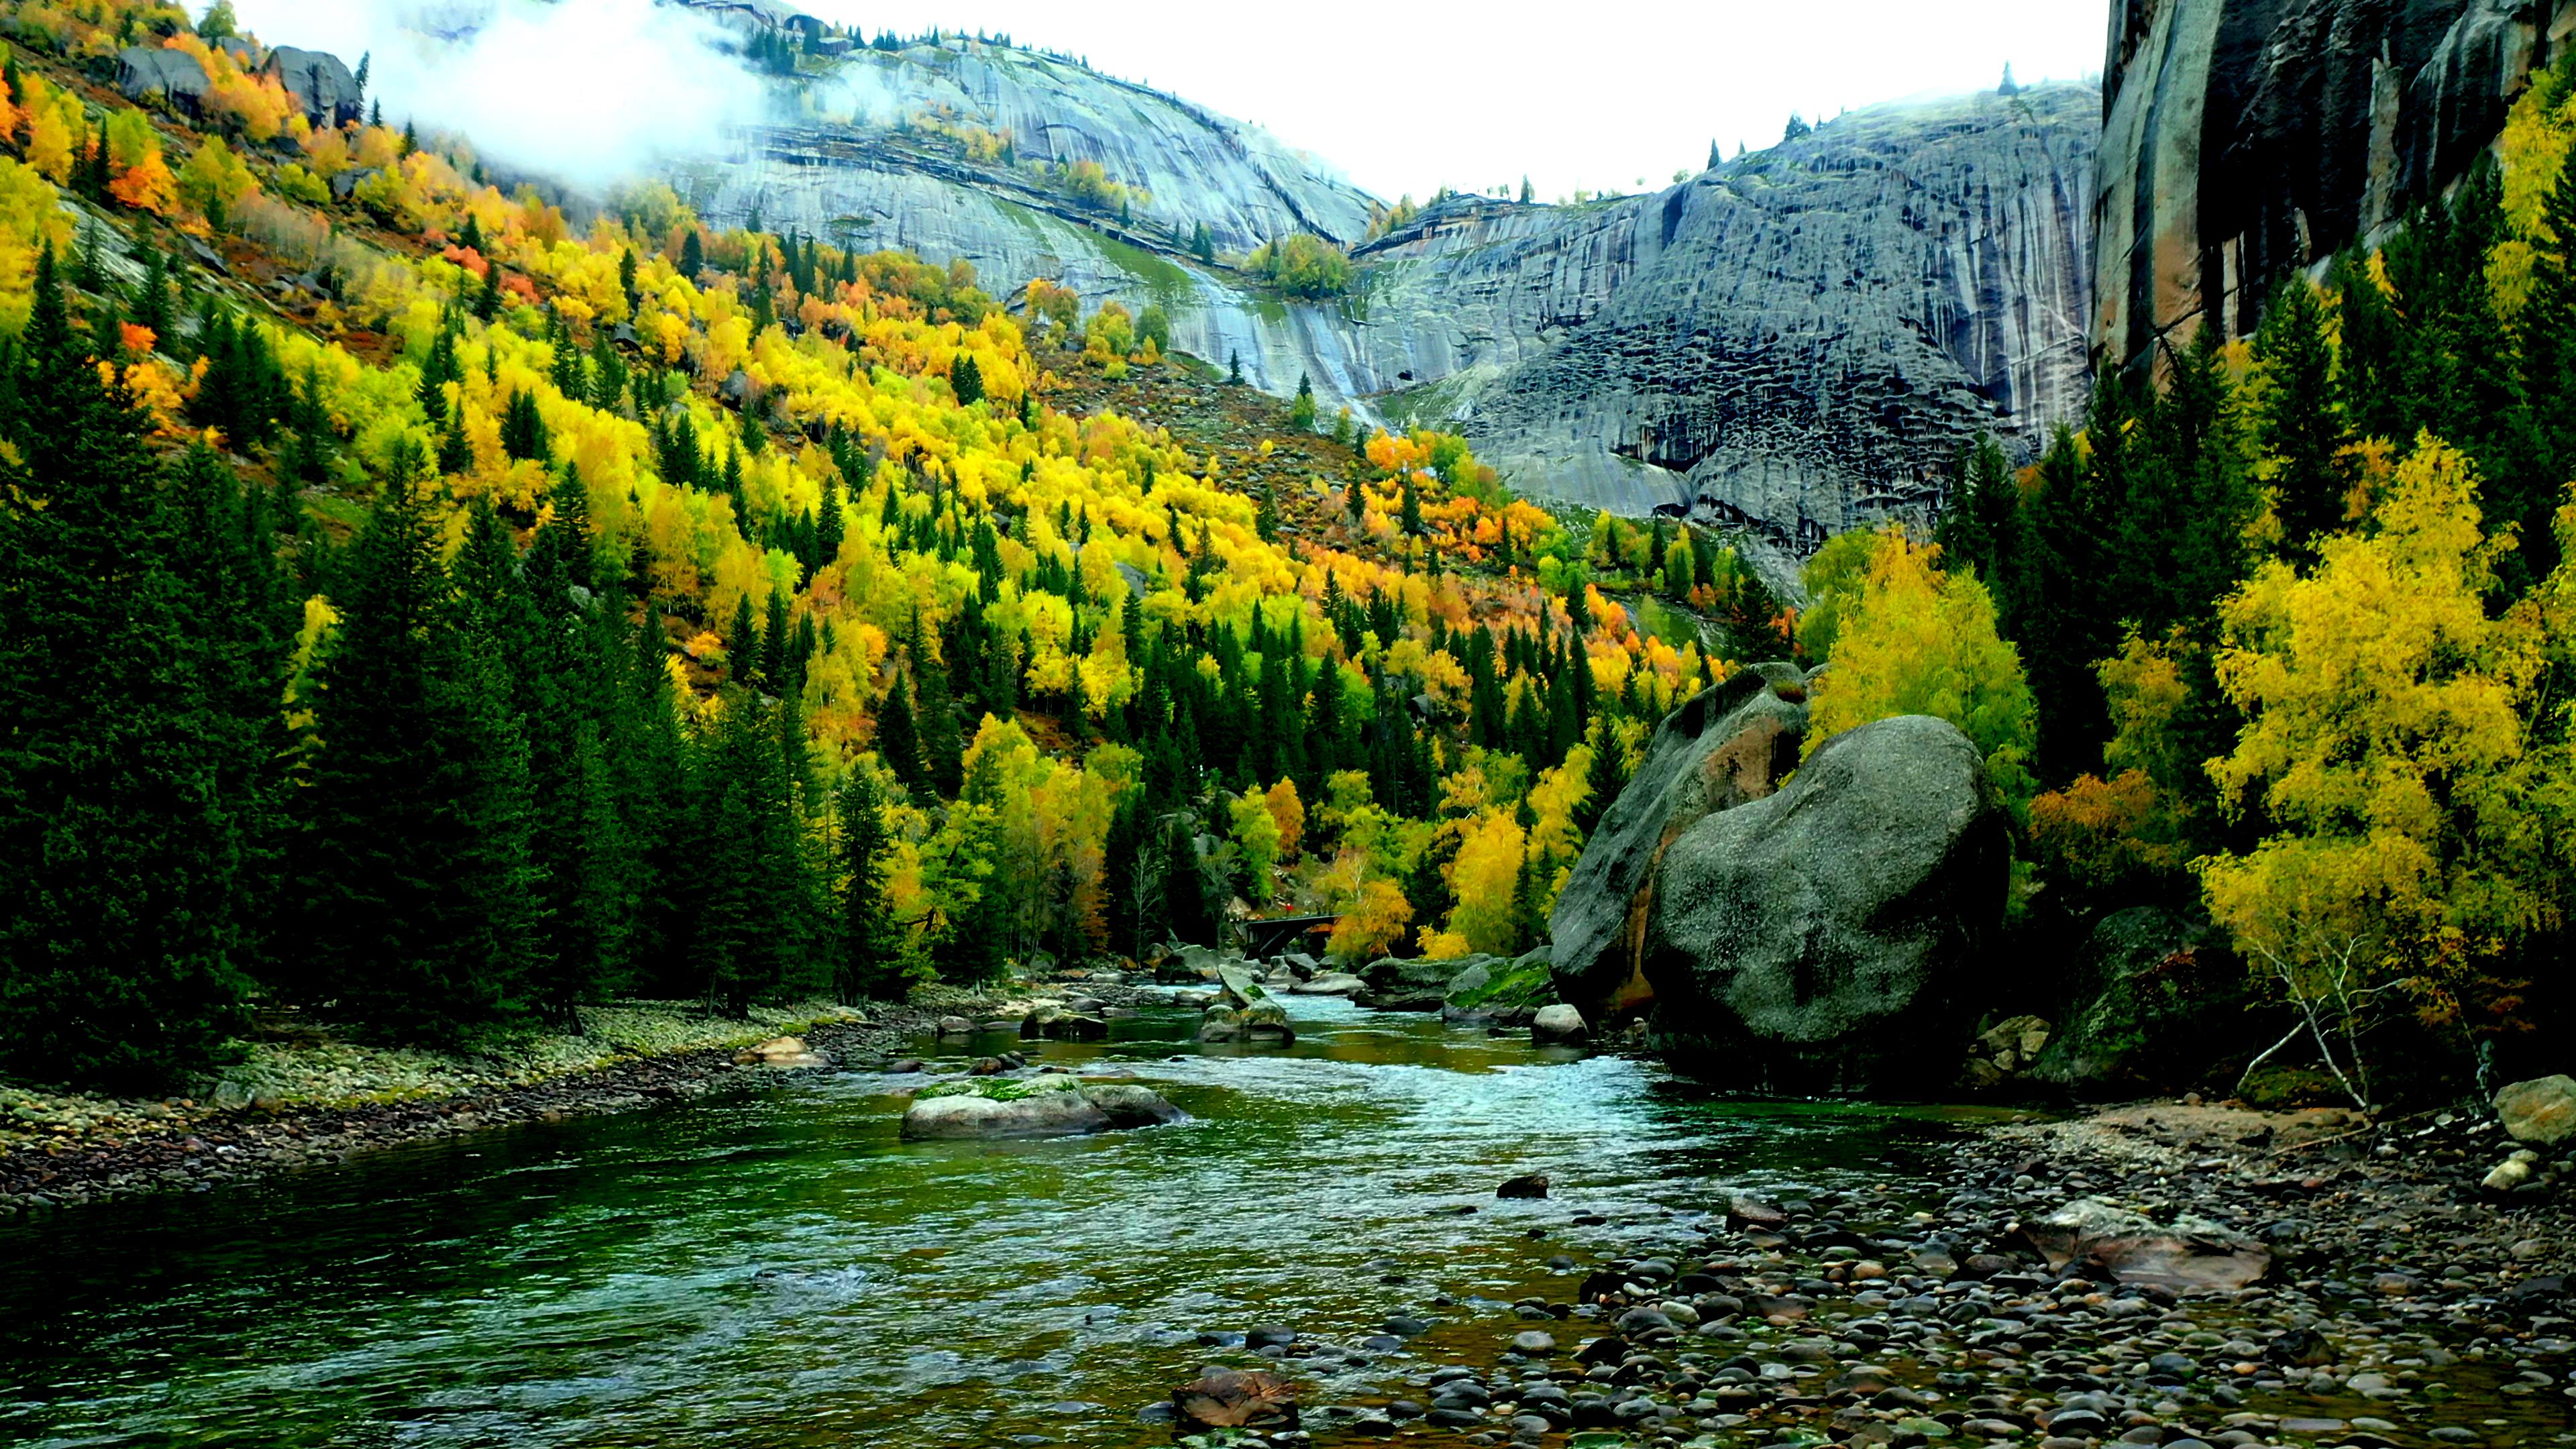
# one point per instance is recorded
(1798, 342)
(2245, 138)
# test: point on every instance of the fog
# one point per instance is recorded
(585, 91)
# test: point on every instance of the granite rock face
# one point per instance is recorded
(1797, 341)
(2243, 139)
(1833, 936)
(1724, 748)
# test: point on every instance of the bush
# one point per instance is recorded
(1302, 265)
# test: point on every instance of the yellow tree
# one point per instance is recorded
(1914, 640)
(2389, 746)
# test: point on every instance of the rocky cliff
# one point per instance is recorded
(1797, 341)
(2247, 138)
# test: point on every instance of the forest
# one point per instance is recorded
(523, 614)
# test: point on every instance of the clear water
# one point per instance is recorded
(775, 1268)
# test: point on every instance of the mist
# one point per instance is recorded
(588, 92)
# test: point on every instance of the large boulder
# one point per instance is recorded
(2189, 1255)
(2153, 1001)
(1558, 1025)
(1256, 1012)
(1053, 1105)
(1724, 748)
(1503, 993)
(2542, 1110)
(1831, 936)
(1410, 983)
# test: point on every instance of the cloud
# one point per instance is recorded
(590, 92)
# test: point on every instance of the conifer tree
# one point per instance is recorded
(868, 968)
(413, 857)
(131, 772)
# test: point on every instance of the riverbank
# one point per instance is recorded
(2079, 1282)
(307, 1098)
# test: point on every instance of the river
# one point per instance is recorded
(773, 1268)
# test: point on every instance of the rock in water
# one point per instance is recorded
(1402, 983)
(1528, 1184)
(1502, 993)
(1829, 937)
(1725, 747)
(2542, 1111)
(2193, 1255)
(1227, 1399)
(1558, 1025)
(1258, 1016)
(782, 1051)
(994, 1108)
(1330, 983)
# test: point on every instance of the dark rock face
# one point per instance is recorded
(2156, 1000)
(1830, 937)
(1728, 746)
(1797, 342)
(2246, 138)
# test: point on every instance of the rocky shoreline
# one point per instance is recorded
(2067, 1290)
(196, 1151)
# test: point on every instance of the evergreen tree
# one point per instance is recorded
(966, 379)
(413, 859)
(868, 966)
(2300, 422)
(136, 682)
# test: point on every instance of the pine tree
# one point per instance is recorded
(413, 859)
(868, 966)
(966, 379)
(2300, 422)
(137, 678)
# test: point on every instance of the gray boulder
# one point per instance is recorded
(1558, 1025)
(1330, 983)
(2154, 1000)
(2191, 1255)
(1005, 1108)
(1831, 937)
(2542, 1110)
(1724, 748)
(1407, 983)
(1501, 993)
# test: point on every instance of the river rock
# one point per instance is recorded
(1527, 1185)
(1501, 993)
(782, 1051)
(1330, 983)
(1221, 1023)
(1725, 747)
(2191, 1255)
(2004, 1051)
(993, 1109)
(955, 1026)
(1558, 1025)
(1127, 1104)
(1258, 1014)
(2542, 1110)
(1408, 983)
(1229, 1399)
(1833, 936)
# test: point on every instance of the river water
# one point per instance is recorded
(773, 1268)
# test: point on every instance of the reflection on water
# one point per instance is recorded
(776, 1269)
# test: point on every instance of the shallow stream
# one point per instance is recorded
(774, 1268)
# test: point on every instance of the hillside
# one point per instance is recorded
(1803, 338)
(858, 634)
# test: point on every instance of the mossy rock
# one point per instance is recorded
(1001, 1089)
(1504, 991)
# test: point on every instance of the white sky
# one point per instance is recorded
(1401, 97)
(1405, 96)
